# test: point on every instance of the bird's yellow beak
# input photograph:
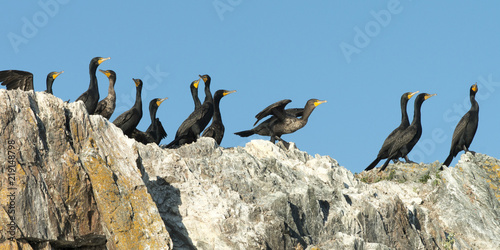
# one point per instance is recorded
(412, 94)
(429, 96)
(203, 77)
(54, 76)
(196, 83)
(105, 72)
(474, 87)
(316, 103)
(103, 59)
(137, 82)
(228, 92)
(160, 101)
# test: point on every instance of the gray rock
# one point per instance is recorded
(82, 183)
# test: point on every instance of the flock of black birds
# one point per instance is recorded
(402, 139)
(281, 121)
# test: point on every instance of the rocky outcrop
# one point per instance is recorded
(80, 183)
(71, 179)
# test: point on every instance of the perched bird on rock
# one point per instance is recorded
(465, 129)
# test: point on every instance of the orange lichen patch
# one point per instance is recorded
(496, 168)
(15, 245)
(493, 186)
(124, 207)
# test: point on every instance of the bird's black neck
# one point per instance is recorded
(217, 115)
(208, 94)
(138, 102)
(416, 111)
(473, 102)
(93, 78)
(152, 113)
(194, 94)
(404, 113)
(50, 81)
(308, 109)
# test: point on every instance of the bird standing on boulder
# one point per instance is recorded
(389, 141)
(465, 129)
(91, 97)
(216, 129)
(155, 132)
(407, 139)
(282, 121)
(106, 106)
(129, 119)
(197, 121)
(194, 93)
(23, 80)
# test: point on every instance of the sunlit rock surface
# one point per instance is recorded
(80, 183)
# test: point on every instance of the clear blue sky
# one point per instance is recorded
(359, 56)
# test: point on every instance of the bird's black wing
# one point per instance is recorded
(141, 137)
(83, 97)
(389, 141)
(209, 132)
(277, 109)
(459, 130)
(101, 106)
(160, 132)
(297, 112)
(192, 119)
(17, 79)
(403, 139)
(123, 118)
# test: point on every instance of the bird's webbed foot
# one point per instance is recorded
(408, 160)
(273, 139)
(468, 151)
(285, 143)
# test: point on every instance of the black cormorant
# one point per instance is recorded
(190, 129)
(194, 93)
(50, 80)
(216, 129)
(23, 80)
(155, 132)
(91, 97)
(130, 118)
(106, 106)
(384, 151)
(407, 139)
(465, 130)
(282, 122)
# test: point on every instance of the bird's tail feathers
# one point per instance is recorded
(448, 160)
(245, 133)
(373, 164)
(385, 165)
